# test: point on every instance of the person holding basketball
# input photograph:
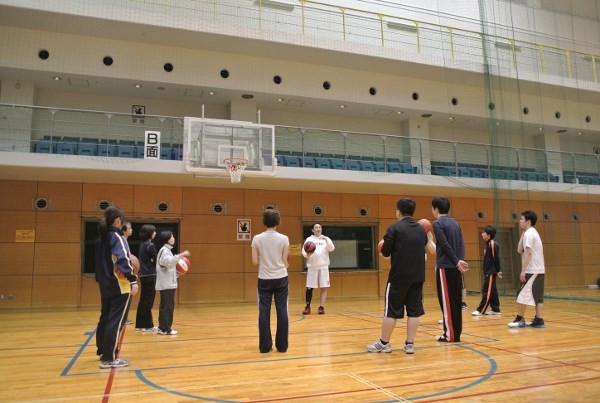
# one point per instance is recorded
(405, 242)
(317, 262)
(532, 272)
(270, 252)
(147, 275)
(166, 282)
(449, 268)
(114, 273)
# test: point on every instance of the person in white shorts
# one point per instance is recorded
(317, 275)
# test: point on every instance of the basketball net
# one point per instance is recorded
(236, 167)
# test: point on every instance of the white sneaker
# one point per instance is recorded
(378, 347)
(117, 363)
(171, 333)
(441, 321)
(475, 313)
(409, 348)
(492, 313)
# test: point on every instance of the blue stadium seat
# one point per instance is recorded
(408, 169)
(309, 162)
(394, 167)
(166, 151)
(107, 148)
(352, 165)
(512, 175)
(291, 161)
(322, 163)
(465, 172)
(178, 153)
(337, 163)
(366, 166)
(66, 147)
(44, 146)
(87, 147)
(139, 149)
(280, 161)
(477, 173)
(379, 166)
(595, 180)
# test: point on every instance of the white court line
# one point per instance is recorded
(379, 388)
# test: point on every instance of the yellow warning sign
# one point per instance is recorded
(296, 249)
(25, 235)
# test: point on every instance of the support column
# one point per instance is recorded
(418, 148)
(17, 136)
(550, 142)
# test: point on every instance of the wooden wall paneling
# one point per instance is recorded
(58, 226)
(591, 256)
(289, 204)
(335, 289)
(506, 208)
(486, 206)
(351, 203)
(563, 275)
(218, 259)
(559, 211)
(200, 200)
(90, 293)
(61, 196)
(360, 284)
(56, 290)
(423, 209)
(147, 198)
(297, 289)
(463, 209)
(591, 274)
(210, 229)
(382, 278)
(532, 205)
(19, 286)
(18, 195)
(560, 232)
(384, 224)
(290, 226)
(331, 202)
(17, 258)
(590, 233)
(57, 258)
(13, 221)
(590, 212)
(563, 253)
(228, 287)
(250, 283)
(387, 206)
(118, 195)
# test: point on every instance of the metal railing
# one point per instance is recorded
(44, 130)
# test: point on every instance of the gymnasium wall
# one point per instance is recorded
(44, 269)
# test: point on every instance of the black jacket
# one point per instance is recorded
(405, 242)
(491, 258)
(114, 269)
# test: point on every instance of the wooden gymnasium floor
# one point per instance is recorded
(49, 355)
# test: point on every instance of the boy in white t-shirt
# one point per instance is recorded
(317, 275)
(532, 272)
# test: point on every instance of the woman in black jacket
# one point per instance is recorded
(147, 276)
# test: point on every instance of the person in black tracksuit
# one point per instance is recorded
(450, 265)
(147, 275)
(491, 271)
(114, 273)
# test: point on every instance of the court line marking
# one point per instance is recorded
(391, 394)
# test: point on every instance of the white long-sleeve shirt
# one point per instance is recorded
(319, 259)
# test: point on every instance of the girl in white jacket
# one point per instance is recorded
(317, 275)
(166, 281)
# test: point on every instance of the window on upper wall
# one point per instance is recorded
(354, 245)
(91, 234)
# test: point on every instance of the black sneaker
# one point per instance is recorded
(464, 306)
(537, 323)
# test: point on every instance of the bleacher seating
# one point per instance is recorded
(352, 165)
(322, 163)
(87, 147)
(394, 167)
(337, 163)
(366, 166)
(166, 151)
(291, 161)
(107, 148)
(309, 162)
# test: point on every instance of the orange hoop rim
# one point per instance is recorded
(235, 166)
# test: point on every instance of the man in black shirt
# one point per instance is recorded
(405, 242)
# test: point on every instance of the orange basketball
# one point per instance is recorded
(379, 246)
(426, 224)
(135, 263)
(183, 265)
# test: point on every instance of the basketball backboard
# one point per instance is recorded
(208, 142)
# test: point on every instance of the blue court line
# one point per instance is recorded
(76, 356)
(491, 371)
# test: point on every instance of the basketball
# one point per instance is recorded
(183, 265)
(426, 224)
(309, 247)
(379, 246)
(135, 263)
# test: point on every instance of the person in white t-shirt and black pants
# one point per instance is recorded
(317, 275)
(532, 272)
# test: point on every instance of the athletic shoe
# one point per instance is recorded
(492, 313)
(118, 363)
(321, 310)
(464, 306)
(378, 347)
(306, 310)
(409, 348)
(475, 313)
(441, 321)
(517, 323)
(441, 338)
(171, 333)
(537, 323)
(149, 329)
(128, 322)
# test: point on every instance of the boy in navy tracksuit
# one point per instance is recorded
(114, 273)
(491, 271)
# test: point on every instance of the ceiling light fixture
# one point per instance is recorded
(211, 93)
(342, 106)
(280, 99)
(57, 78)
(138, 86)
(399, 113)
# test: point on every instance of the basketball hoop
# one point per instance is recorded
(236, 167)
